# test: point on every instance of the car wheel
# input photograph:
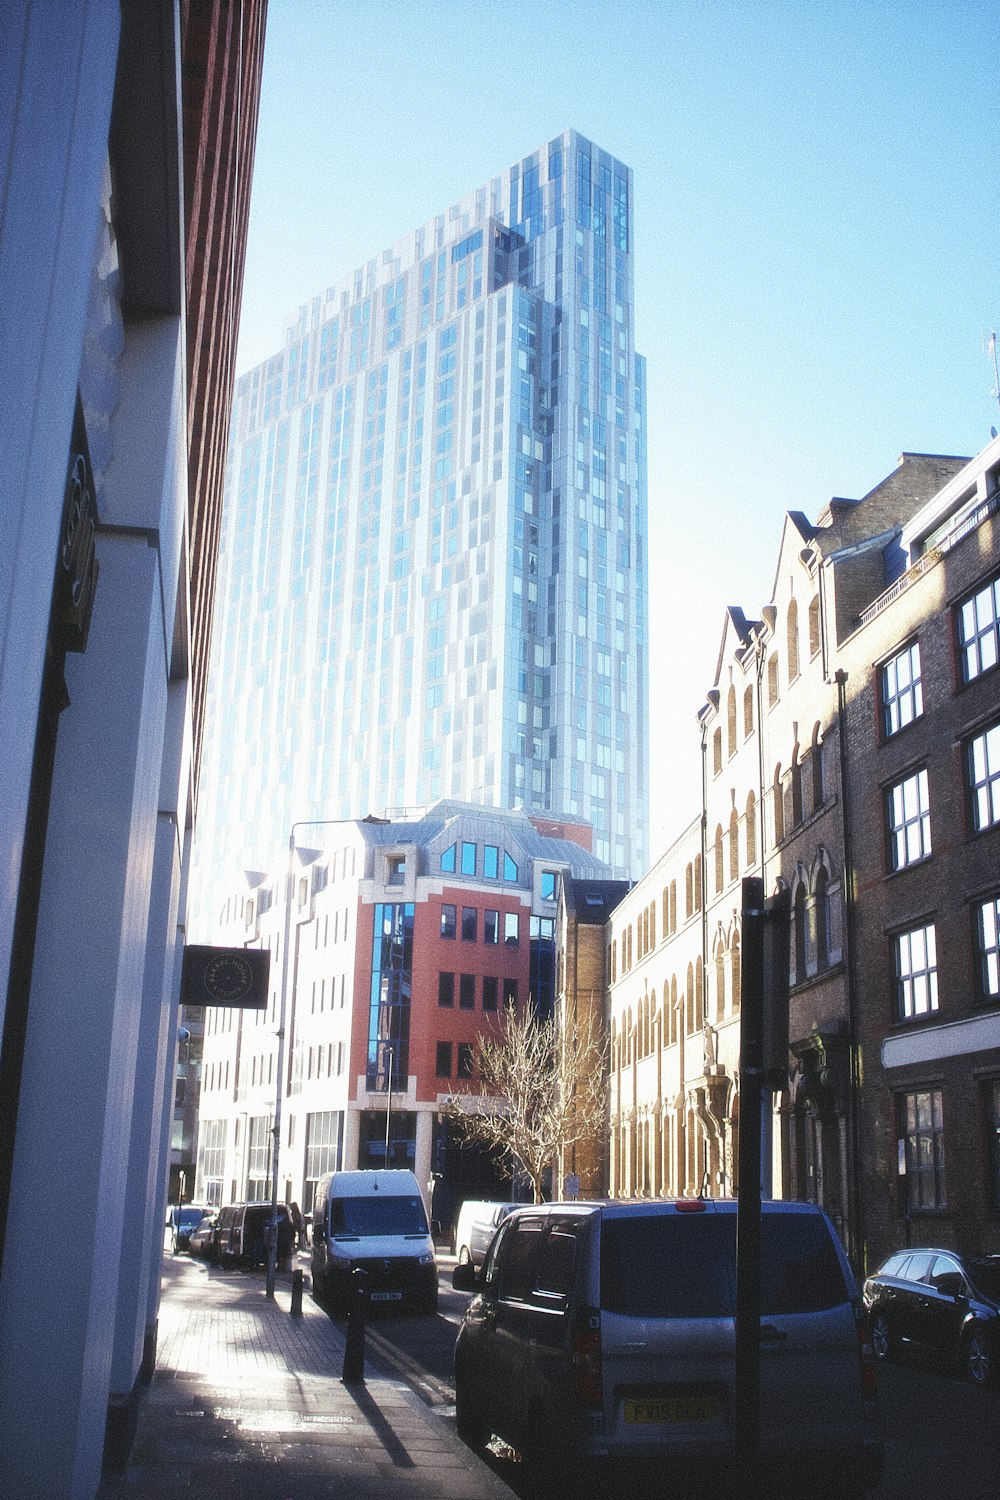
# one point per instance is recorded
(468, 1421)
(977, 1357)
(881, 1337)
(551, 1474)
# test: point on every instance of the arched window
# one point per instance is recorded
(688, 891)
(718, 858)
(697, 882)
(814, 635)
(751, 830)
(673, 1011)
(817, 770)
(717, 751)
(673, 906)
(666, 910)
(720, 983)
(796, 779)
(689, 1018)
(731, 721)
(748, 713)
(799, 933)
(822, 917)
(792, 639)
(779, 807)
(699, 989)
(734, 951)
(652, 925)
(772, 679)
(734, 845)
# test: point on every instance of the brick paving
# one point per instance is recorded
(247, 1403)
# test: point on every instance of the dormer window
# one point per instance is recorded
(397, 869)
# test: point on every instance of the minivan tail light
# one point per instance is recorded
(587, 1359)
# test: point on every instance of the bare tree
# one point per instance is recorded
(542, 1090)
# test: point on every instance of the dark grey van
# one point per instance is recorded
(602, 1336)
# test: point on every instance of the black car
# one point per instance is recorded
(938, 1303)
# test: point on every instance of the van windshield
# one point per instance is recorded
(370, 1216)
(684, 1266)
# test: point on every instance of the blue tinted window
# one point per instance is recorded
(509, 867)
(468, 859)
(448, 859)
(491, 856)
(548, 885)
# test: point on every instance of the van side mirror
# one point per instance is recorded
(465, 1278)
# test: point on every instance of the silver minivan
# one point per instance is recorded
(602, 1335)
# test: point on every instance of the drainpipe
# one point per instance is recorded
(855, 1217)
(704, 876)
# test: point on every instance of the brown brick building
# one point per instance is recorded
(848, 703)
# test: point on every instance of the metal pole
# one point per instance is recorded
(286, 943)
(388, 1105)
(748, 1208)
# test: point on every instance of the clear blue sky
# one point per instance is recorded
(815, 242)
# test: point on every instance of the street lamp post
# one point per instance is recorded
(286, 940)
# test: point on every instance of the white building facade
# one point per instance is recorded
(433, 564)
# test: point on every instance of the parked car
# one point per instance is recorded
(242, 1235)
(202, 1242)
(939, 1304)
(601, 1339)
(477, 1221)
(182, 1220)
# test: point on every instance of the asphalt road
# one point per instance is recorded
(942, 1435)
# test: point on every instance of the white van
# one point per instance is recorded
(477, 1220)
(375, 1221)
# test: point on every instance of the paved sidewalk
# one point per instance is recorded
(247, 1403)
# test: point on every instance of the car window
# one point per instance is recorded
(800, 1267)
(919, 1265)
(945, 1266)
(556, 1263)
(894, 1265)
(669, 1266)
(517, 1267)
(491, 1265)
(684, 1266)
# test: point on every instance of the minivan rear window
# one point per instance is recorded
(364, 1216)
(684, 1266)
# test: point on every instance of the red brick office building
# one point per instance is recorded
(408, 938)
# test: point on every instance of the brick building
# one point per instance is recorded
(408, 937)
(800, 774)
(923, 796)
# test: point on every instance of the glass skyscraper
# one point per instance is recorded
(433, 562)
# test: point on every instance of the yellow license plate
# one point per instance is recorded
(673, 1409)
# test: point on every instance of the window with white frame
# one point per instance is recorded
(988, 943)
(983, 771)
(916, 973)
(978, 619)
(901, 690)
(908, 817)
(992, 1091)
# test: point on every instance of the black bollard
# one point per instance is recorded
(296, 1307)
(354, 1349)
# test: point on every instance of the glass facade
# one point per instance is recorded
(433, 563)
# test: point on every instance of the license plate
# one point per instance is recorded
(664, 1409)
(387, 1296)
